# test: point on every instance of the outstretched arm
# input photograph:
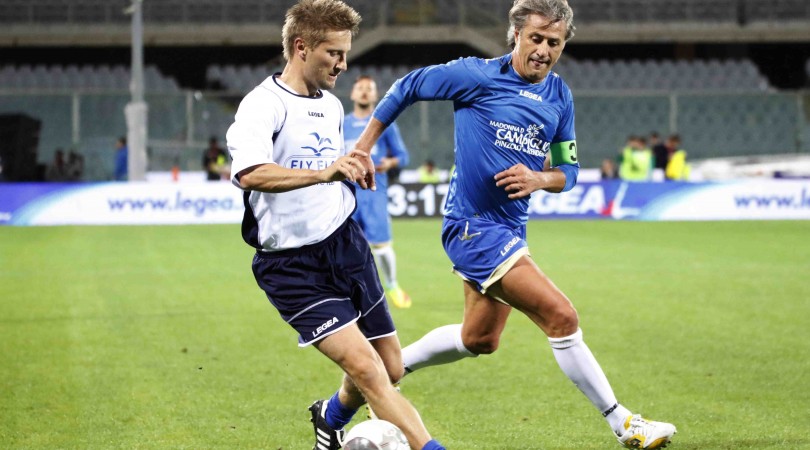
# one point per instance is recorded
(356, 166)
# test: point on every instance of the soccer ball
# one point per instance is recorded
(375, 435)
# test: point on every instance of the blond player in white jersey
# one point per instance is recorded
(312, 260)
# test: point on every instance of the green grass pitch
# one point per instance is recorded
(158, 338)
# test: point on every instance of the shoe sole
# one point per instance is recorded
(656, 444)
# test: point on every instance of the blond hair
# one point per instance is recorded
(310, 20)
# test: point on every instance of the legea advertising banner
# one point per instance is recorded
(119, 203)
(220, 202)
(734, 200)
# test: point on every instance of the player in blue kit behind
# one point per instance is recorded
(372, 206)
(514, 135)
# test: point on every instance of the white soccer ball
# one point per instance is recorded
(375, 434)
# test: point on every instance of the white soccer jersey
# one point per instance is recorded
(274, 125)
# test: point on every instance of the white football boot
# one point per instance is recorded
(645, 434)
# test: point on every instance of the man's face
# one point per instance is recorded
(538, 46)
(364, 93)
(327, 60)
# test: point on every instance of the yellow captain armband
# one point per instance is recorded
(564, 153)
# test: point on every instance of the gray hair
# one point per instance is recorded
(555, 10)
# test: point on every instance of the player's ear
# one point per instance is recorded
(300, 48)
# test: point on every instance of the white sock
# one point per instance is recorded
(617, 417)
(440, 346)
(387, 262)
(577, 362)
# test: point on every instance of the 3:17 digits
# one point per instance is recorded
(417, 200)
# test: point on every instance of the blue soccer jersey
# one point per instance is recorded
(372, 206)
(500, 120)
(389, 144)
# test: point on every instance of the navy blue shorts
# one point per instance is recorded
(321, 288)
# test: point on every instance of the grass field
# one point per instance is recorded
(158, 338)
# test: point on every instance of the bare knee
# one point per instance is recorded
(484, 344)
(367, 374)
(562, 321)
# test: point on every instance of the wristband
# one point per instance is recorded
(571, 173)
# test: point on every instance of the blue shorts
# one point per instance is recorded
(321, 288)
(482, 251)
(372, 215)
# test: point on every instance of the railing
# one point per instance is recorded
(710, 124)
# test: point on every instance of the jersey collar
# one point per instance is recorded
(282, 85)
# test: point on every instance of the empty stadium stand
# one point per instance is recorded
(404, 11)
(721, 107)
(612, 75)
(73, 77)
(229, 21)
(666, 75)
(716, 80)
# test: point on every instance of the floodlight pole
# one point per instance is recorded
(136, 88)
(137, 109)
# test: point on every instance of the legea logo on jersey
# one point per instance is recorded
(531, 95)
(515, 137)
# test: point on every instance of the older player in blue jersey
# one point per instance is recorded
(514, 135)
(312, 259)
(372, 206)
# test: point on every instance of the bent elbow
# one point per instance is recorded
(248, 179)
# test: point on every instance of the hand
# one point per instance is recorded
(363, 160)
(519, 181)
(367, 181)
(348, 167)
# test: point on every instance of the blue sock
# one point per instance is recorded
(337, 415)
(433, 445)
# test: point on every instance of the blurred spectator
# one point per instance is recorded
(660, 152)
(215, 161)
(608, 169)
(654, 139)
(57, 170)
(428, 174)
(121, 157)
(637, 161)
(677, 168)
(75, 166)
